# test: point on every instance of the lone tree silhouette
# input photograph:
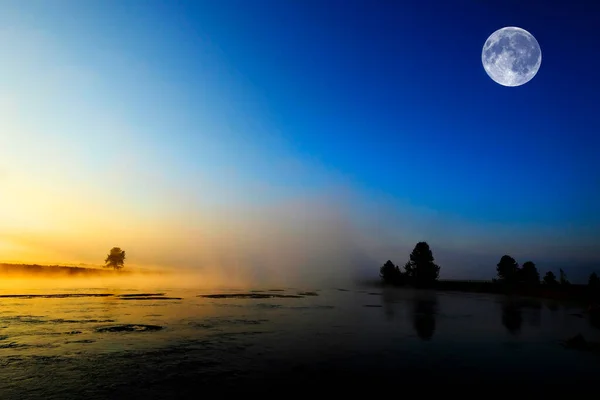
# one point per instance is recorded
(550, 279)
(115, 259)
(563, 278)
(529, 274)
(421, 268)
(507, 269)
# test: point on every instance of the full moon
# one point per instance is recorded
(511, 56)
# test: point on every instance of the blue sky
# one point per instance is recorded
(243, 103)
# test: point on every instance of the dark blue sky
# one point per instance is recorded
(386, 98)
(393, 95)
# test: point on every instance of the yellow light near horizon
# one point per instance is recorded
(175, 279)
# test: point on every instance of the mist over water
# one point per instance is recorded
(333, 237)
(311, 238)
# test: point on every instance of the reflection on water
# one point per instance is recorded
(535, 313)
(424, 311)
(511, 317)
(514, 310)
(154, 343)
(594, 319)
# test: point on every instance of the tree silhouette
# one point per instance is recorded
(507, 269)
(421, 268)
(389, 272)
(529, 274)
(563, 278)
(115, 259)
(550, 279)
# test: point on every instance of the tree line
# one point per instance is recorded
(510, 272)
(421, 271)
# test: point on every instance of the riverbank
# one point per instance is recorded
(10, 270)
(572, 292)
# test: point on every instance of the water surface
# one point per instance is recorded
(162, 342)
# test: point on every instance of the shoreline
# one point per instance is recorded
(571, 293)
(37, 270)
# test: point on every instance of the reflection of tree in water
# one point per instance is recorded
(511, 317)
(552, 306)
(594, 318)
(393, 299)
(534, 312)
(388, 304)
(424, 310)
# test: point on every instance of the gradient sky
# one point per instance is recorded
(234, 135)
